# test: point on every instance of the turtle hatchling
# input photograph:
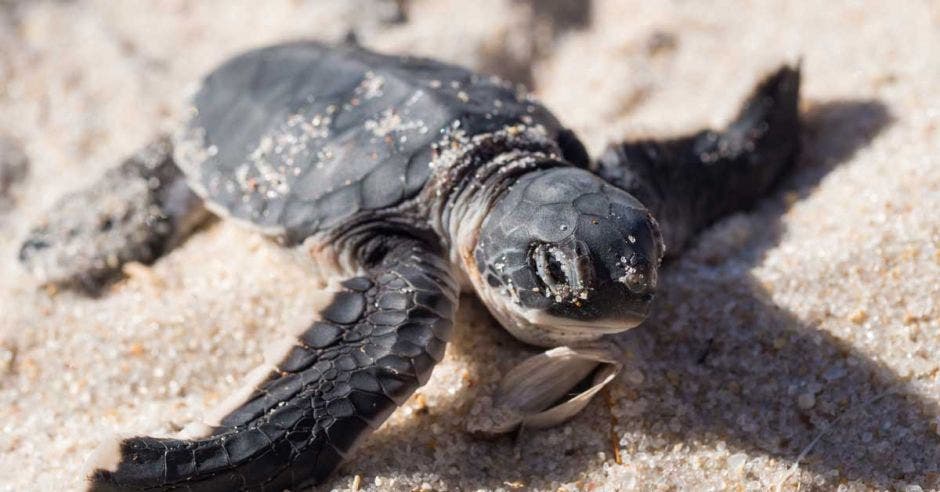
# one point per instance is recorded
(412, 180)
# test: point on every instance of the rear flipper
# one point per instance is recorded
(689, 182)
(135, 212)
(339, 380)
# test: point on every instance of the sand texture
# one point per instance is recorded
(796, 345)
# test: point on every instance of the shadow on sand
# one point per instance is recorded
(545, 22)
(820, 405)
(851, 417)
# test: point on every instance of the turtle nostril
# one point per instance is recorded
(634, 279)
(638, 275)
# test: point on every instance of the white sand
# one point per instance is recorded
(795, 345)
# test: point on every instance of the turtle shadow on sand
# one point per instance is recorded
(749, 374)
(766, 382)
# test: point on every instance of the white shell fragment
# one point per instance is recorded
(528, 394)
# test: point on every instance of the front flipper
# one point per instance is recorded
(134, 212)
(548, 388)
(374, 344)
(689, 182)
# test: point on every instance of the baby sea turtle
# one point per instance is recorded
(413, 179)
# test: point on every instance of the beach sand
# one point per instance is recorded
(796, 345)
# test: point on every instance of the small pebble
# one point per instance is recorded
(806, 401)
(859, 316)
(736, 462)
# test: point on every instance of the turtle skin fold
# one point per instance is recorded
(375, 343)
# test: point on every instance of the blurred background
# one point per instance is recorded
(795, 346)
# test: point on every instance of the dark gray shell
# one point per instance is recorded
(301, 137)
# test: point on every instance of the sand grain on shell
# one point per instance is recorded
(794, 346)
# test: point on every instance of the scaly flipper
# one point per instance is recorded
(134, 212)
(689, 182)
(373, 346)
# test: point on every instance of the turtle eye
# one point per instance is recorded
(564, 271)
(549, 262)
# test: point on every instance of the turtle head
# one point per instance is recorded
(562, 256)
